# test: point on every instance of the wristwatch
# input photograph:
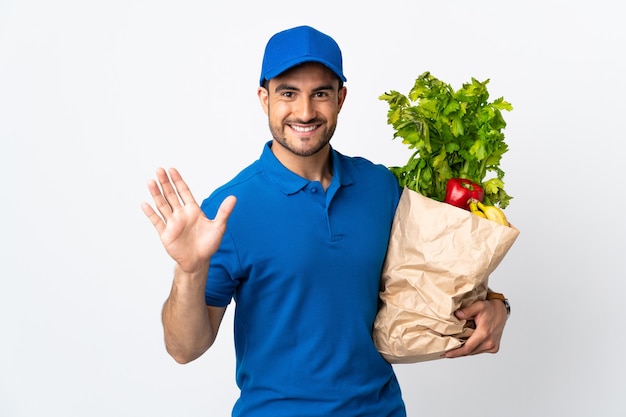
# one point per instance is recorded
(491, 295)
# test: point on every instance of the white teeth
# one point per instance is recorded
(303, 129)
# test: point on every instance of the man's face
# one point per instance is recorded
(302, 106)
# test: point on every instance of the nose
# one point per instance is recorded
(305, 109)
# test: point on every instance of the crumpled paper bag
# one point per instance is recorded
(438, 260)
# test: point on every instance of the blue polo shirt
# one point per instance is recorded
(303, 268)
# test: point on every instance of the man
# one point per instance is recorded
(301, 255)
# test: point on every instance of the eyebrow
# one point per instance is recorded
(285, 86)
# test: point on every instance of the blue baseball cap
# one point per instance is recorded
(297, 45)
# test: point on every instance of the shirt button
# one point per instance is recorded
(313, 189)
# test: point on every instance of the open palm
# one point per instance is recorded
(188, 236)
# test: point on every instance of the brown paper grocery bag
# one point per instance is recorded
(439, 260)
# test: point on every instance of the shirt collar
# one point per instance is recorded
(291, 183)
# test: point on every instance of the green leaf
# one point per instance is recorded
(453, 134)
(457, 126)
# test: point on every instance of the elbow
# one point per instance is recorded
(180, 357)
(183, 356)
(182, 360)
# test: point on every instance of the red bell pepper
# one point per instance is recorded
(460, 190)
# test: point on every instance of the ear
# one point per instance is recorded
(263, 95)
(342, 97)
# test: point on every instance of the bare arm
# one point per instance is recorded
(190, 326)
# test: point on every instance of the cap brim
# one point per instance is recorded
(275, 72)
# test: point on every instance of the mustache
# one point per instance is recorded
(314, 121)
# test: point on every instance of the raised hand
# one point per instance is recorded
(188, 236)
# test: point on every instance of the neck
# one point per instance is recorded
(316, 167)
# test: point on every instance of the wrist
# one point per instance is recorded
(190, 280)
(492, 295)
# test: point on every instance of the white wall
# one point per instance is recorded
(95, 95)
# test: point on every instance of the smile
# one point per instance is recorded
(303, 129)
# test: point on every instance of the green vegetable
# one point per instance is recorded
(455, 134)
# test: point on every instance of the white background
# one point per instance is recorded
(94, 95)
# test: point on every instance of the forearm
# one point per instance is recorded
(187, 327)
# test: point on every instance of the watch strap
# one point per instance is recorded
(492, 295)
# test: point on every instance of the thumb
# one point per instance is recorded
(468, 312)
(225, 209)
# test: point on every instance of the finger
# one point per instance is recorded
(169, 193)
(159, 200)
(154, 218)
(470, 311)
(224, 211)
(471, 346)
(468, 348)
(181, 187)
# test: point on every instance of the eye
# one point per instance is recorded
(288, 94)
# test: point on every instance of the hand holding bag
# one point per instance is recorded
(439, 259)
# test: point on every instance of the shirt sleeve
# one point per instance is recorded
(225, 267)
